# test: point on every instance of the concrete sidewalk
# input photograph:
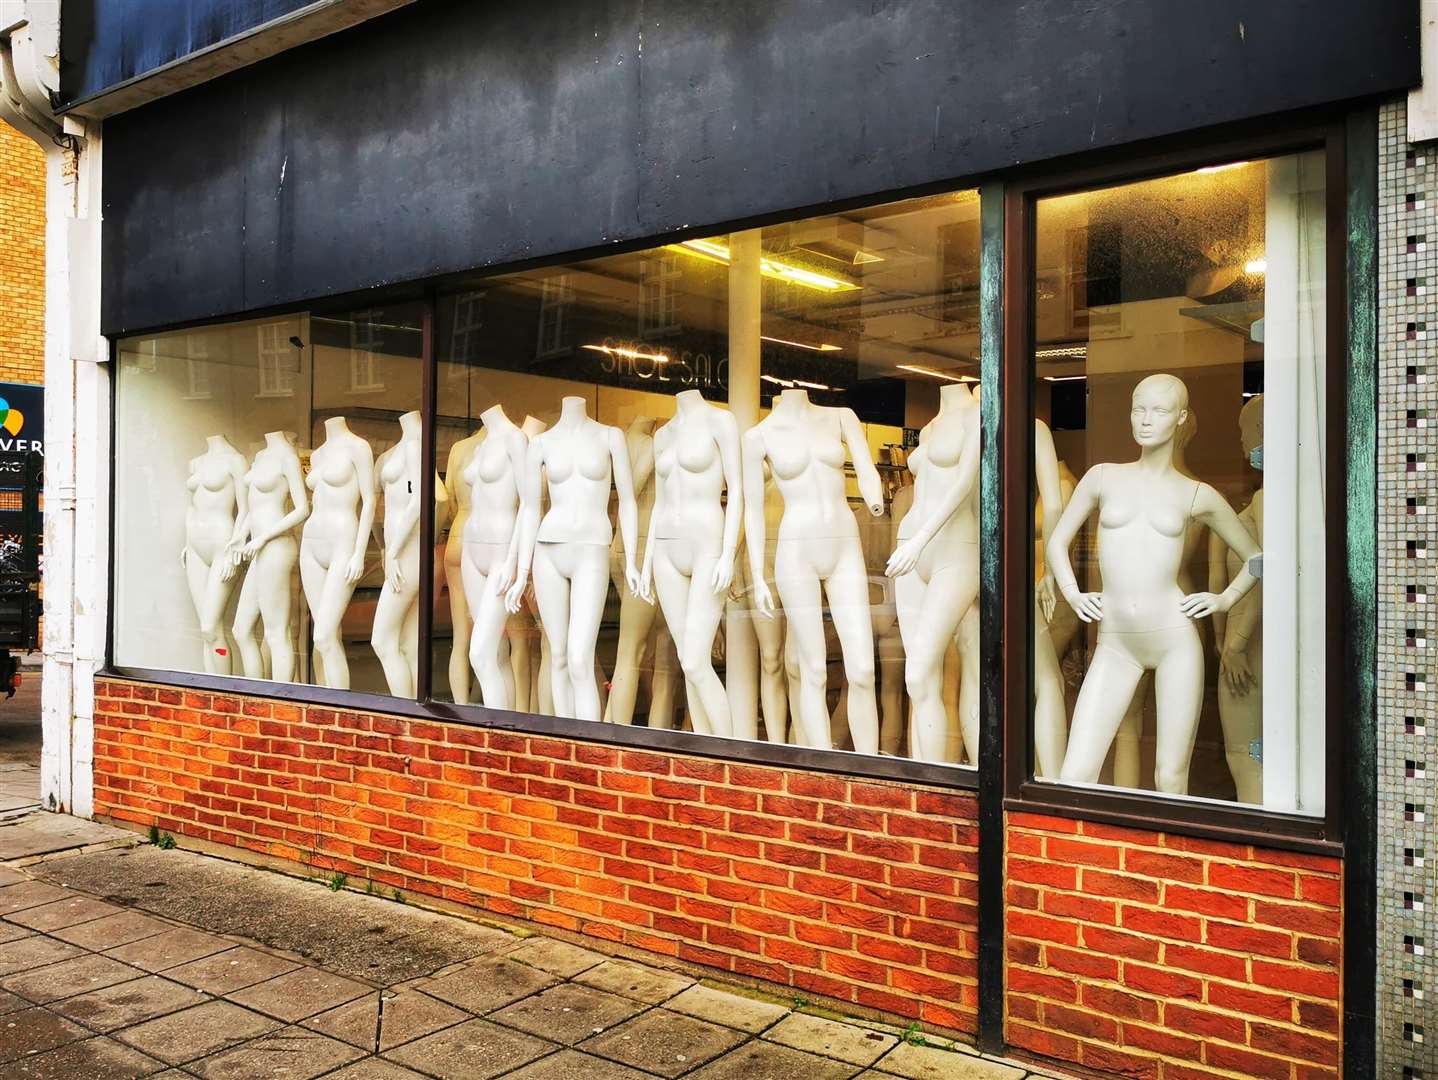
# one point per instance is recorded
(135, 961)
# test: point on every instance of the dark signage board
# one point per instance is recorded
(22, 418)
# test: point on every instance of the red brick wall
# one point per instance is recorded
(860, 891)
(1153, 955)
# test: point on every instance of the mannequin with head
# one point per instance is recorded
(1144, 510)
(636, 613)
(568, 548)
(693, 535)
(818, 554)
(332, 545)
(213, 521)
(276, 502)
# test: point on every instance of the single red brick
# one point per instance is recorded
(1206, 961)
(1037, 1040)
(830, 937)
(1082, 853)
(1320, 890)
(694, 769)
(1246, 1063)
(1319, 951)
(1106, 1059)
(1158, 1041)
(851, 817)
(1121, 834)
(853, 967)
(816, 786)
(897, 952)
(1088, 964)
(1205, 901)
(1043, 823)
(1121, 886)
(1164, 924)
(1251, 1002)
(1022, 896)
(1053, 987)
(1299, 860)
(1304, 920)
(1025, 924)
(1113, 1002)
(882, 847)
(1161, 982)
(755, 777)
(1118, 943)
(1310, 982)
(921, 828)
(888, 796)
(1319, 1049)
(1083, 908)
(1317, 1017)
(789, 807)
(1160, 865)
(1043, 873)
(1249, 939)
(1205, 1022)
(1019, 951)
(1021, 843)
(1253, 880)
(844, 866)
(951, 804)
(1021, 1008)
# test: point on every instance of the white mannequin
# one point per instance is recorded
(1050, 712)
(490, 542)
(636, 613)
(569, 548)
(1240, 634)
(275, 480)
(818, 552)
(529, 663)
(693, 535)
(936, 564)
(395, 635)
(755, 676)
(332, 545)
(1144, 509)
(216, 510)
(457, 488)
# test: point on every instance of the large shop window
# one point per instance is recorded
(1178, 333)
(727, 485)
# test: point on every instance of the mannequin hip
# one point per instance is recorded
(485, 556)
(820, 558)
(1147, 649)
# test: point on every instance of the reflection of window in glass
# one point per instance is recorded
(197, 366)
(659, 295)
(364, 345)
(555, 297)
(468, 322)
(146, 354)
(278, 360)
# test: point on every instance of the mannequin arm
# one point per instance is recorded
(906, 555)
(646, 573)
(1212, 509)
(231, 558)
(1088, 606)
(526, 529)
(628, 508)
(516, 448)
(1051, 503)
(641, 466)
(870, 486)
(754, 528)
(363, 460)
(730, 457)
(299, 496)
(1217, 581)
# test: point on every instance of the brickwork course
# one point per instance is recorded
(22, 258)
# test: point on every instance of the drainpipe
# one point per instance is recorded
(77, 402)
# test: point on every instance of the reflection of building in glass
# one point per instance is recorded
(277, 359)
(364, 362)
(555, 298)
(659, 276)
(197, 366)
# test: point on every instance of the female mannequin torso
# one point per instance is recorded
(216, 508)
(278, 501)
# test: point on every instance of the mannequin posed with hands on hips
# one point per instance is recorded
(332, 545)
(490, 551)
(936, 565)
(636, 613)
(213, 517)
(817, 553)
(693, 536)
(276, 502)
(1145, 621)
(568, 549)
(460, 617)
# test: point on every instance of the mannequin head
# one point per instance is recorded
(1160, 409)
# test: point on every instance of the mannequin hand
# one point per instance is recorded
(723, 575)
(1088, 606)
(1046, 596)
(1201, 604)
(355, 570)
(227, 568)
(251, 549)
(905, 556)
(502, 577)
(763, 599)
(184, 556)
(394, 576)
(1235, 670)
(646, 582)
(636, 583)
(515, 595)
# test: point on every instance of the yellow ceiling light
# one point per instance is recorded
(1207, 169)
(919, 370)
(714, 251)
(1062, 350)
(628, 354)
(825, 347)
(1255, 266)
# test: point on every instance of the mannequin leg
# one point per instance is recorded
(666, 679)
(247, 618)
(769, 635)
(1241, 716)
(951, 685)
(459, 680)
(793, 691)
(544, 677)
(968, 642)
(636, 618)
(891, 686)
(847, 589)
(588, 587)
(1178, 690)
(487, 648)
(741, 660)
(924, 648)
(696, 652)
(551, 590)
(1051, 734)
(334, 597)
(799, 590)
(385, 638)
(274, 567)
(1127, 764)
(673, 587)
(521, 658)
(1107, 689)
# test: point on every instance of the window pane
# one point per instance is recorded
(267, 489)
(1176, 322)
(765, 393)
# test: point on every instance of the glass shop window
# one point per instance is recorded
(727, 485)
(267, 500)
(1178, 323)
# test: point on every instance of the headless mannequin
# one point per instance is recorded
(636, 614)
(1144, 510)
(275, 480)
(213, 520)
(936, 564)
(528, 650)
(395, 635)
(1240, 634)
(693, 535)
(457, 489)
(569, 548)
(490, 544)
(818, 553)
(755, 679)
(1050, 711)
(332, 545)
(878, 537)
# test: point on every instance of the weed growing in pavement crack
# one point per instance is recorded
(913, 1036)
(337, 881)
(162, 840)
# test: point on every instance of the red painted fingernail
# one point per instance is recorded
(222, 652)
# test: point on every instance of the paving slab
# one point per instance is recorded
(730, 1009)
(474, 1050)
(300, 993)
(816, 1035)
(33, 1031)
(13, 932)
(374, 1069)
(32, 952)
(63, 913)
(128, 1003)
(408, 1015)
(12, 1002)
(28, 894)
(197, 1032)
(112, 931)
(10, 876)
(292, 1053)
(234, 969)
(761, 1060)
(78, 975)
(556, 957)
(663, 1042)
(42, 833)
(636, 981)
(568, 1013)
(484, 985)
(99, 1058)
(573, 1065)
(928, 1063)
(169, 949)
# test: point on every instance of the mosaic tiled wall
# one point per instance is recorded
(1407, 626)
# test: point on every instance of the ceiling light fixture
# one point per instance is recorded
(1061, 350)
(1255, 266)
(918, 370)
(1065, 378)
(714, 251)
(1207, 169)
(825, 347)
(812, 385)
(628, 354)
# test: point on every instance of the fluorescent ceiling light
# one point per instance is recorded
(1061, 350)
(918, 370)
(714, 251)
(1221, 168)
(825, 347)
(1255, 266)
(630, 354)
(811, 385)
(791, 383)
(1065, 378)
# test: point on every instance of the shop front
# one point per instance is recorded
(783, 489)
